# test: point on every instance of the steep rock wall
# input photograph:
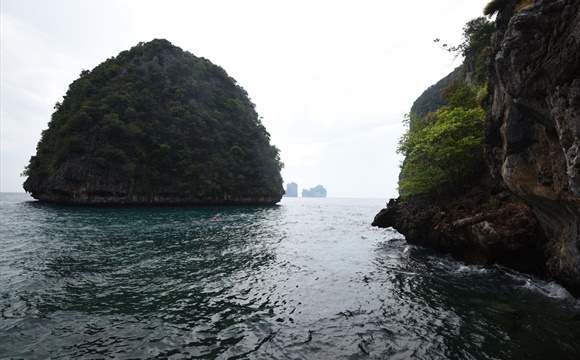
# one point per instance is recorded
(533, 138)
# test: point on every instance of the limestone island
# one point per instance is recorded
(492, 152)
(316, 192)
(155, 125)
(291, 190)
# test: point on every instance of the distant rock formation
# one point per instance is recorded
(316, 192)
(291, 190)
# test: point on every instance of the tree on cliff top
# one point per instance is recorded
(443, 149)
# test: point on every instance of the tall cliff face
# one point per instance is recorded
(524, 210)
(533, 130)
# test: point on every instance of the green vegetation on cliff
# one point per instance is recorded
(155, 121)
(443, 146)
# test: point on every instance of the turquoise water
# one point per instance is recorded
(309, 279)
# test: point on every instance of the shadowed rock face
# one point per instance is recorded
(477, 226)
(533, 136)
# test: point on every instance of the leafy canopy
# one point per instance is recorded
(443, 149)
(156, 119)
(443, 153)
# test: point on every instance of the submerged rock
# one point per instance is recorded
(155, 125)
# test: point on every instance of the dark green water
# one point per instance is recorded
(309, 279)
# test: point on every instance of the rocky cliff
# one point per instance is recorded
(524, 209)
(155, 125)
(534, 124)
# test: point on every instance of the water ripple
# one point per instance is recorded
(305, 280)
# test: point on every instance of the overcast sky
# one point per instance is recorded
(331, 79)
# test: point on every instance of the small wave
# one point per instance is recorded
(471, 269)
(394, 234)
(550, 289)
(408, 249)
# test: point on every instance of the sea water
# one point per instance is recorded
(307, 279)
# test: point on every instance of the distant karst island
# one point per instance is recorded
(316, 192)
(155, 125)
(292, 190)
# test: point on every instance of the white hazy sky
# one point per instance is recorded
(332, 79)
